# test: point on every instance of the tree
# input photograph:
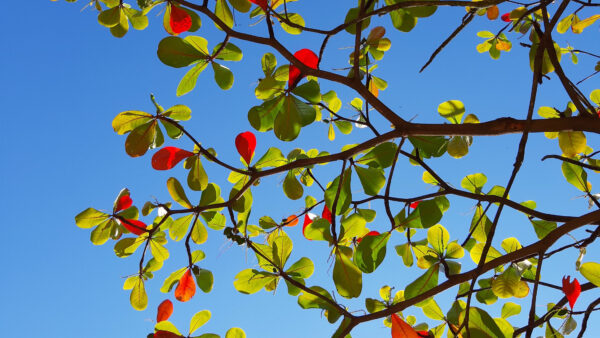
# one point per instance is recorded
(340, 212)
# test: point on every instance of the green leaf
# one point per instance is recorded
(197, 179)
(309, 91)
(370, 252)
(424, 283)
(138, 297)
(458, 146)
(287, 123)
(481, 324)
(452, 110)
(353, 226)
(310, 301)
(477, 250)
(438, 238)
(429, 146)
(179, 227)
(345, 195)
(318, 230)
(404, 251)
(403, 20)
(509, 284)
(102, 232)
(543, 228)
(432, 310)
(129, 120)
(199, 319)
(204, 279)
(142, 138)
(127, 246)
(235, 332)
(381, 156)
(159, 252)
(110, 17)
(177, 193)
(272, 158)
(177, 52)
(474, 183)
(223, 12)
(291, 187)
(173, 279)
(211, 195)
(591, 271)
(262, 117)
(250, 281)
(230, 52)
(303, 268)
(282, 248)
(241, 5)
(90, 217)
(346, 276)
(372, 179)
(576, 176)
(223, 76)
(199, 234)
(510, 309)
(294, 18)
(188, 82)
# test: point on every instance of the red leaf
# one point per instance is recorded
(291, 221)
(424, 333)
(309, 59)
(186, 289)
(371, 233)
(134, 226)
(400, 329)
(245, 144)
(179, 20)
(308, 219)
(165, 309)
(505, 17)
(326, 214)
(262, 3)
(166, 334)
(571, 289)
(414, 205)
(168, 157)
(123, 203)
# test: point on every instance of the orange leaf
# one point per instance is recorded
(186, 289)
(165, 309)
(168, 157)
(291, 221)
(493, 12)
(400, 329)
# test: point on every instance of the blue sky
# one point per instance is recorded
(65, 78)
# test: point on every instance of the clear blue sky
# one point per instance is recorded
(64, 78)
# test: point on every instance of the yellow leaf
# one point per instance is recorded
(579, 26)
(331, 133)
